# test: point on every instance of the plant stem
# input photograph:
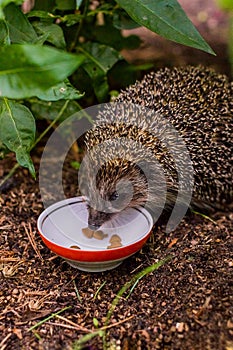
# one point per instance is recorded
(85, 114)
(51, 124)
(11, 172)
(74, 42)
(133, 282)
(16, 166)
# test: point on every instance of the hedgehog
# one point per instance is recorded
(164, 143)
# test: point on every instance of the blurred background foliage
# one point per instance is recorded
(56, 51)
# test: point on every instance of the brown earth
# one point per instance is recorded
(185, 305)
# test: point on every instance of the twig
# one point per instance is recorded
(73, 324)
(117, 323)
(9, 259)
(68, 326)
(32, 240)
(2, 346)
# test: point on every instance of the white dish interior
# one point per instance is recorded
(62, 224)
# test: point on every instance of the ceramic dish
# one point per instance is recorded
(61, 228)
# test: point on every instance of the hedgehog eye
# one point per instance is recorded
(114, 196)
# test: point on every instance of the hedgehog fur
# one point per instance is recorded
(198, 103)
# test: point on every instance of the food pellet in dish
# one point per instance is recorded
(95, 234)
(74, 247)
(99, 235)
(87, 232)
(115, 241)
(115, 238)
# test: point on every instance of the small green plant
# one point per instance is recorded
(32, 329)
(70, 50)
(130, 285)
(203, 216)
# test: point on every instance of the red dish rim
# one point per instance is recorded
(95, 256)
(89, 255)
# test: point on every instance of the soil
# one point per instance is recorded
(184, 305)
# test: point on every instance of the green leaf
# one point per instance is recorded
(4, 33)
(50, 110)
(72, 19)
(42, 39)
(129, 74)
(3, 150)
(66, 4)
(62, 91)
(108, 35)
(168, 19)
(54, 33)
(29, 70)
(101, 87)
(121, 20)
(101, 56)
(44, 5)
(4, 3)
(42, 14)
(17, 131)
(99, 59)
(95, 322)
(20, 29)
(24, 159)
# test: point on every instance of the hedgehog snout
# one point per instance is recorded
(97, 218)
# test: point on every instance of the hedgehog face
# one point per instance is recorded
(120, 184)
